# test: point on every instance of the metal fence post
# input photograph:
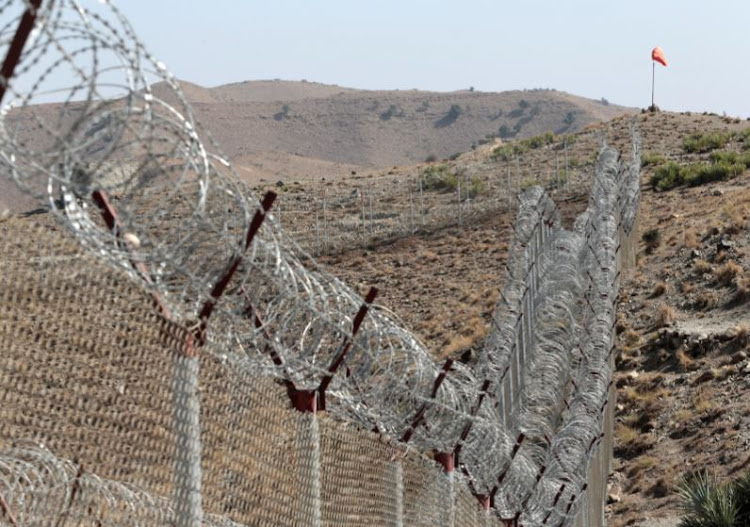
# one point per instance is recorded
(449, 503)
(458, 192)
(186, 404)
(411, 210)
(364, 231)
(307, 446)
(421, 203)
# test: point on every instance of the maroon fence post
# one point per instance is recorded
(423, 409)
(17, 45)
(347, 345)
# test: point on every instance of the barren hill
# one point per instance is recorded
(280, 130)
(380, 128)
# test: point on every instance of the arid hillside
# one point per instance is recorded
(380, 128)
(683, 370)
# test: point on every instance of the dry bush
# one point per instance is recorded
(707, 300)
(742, 335)
(631, 337)
(665, 316)
(742, 291)
(629, 442)
(662, 488)
(701, 266)
(684, 360)
(454, 344)
(702, 402)
(690, 240)
(686, 287)
(642, 464)
(659, 289)
(728, 272)
(683, 415)
(720, 257)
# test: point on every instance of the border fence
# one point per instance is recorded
(168, 358)
(377, 209)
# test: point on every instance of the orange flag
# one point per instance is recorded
(658, 55)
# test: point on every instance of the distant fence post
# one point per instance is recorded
(458, 193)
(411, 209)
(421, 203)
(510, 188)
(317, 233)
(372, 221)
(364, 231)
(325, 224)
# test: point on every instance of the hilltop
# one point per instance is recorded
(378, 128)
(281, 130)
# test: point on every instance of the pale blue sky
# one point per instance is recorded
(586, 47)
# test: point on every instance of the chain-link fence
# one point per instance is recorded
(168, 358)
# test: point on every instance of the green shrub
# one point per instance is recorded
(702, 173)
(723, 166)
(667, 176)
(745, 138)
(697, 143)
(508, 151)
(439, 178)
(652, 158)
(476, 187)
(652, 238)
(708, 503)
(538, 141)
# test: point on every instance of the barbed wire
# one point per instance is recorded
(123, 164)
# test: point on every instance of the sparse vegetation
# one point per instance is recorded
(652, 158)
(727, 273)
(665, 316)
(701, 266)
(659, 289)
(698, 142)
(652, 239)
(451, 116)
(443, 178)
(671, 174)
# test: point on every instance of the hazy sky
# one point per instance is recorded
(590, 48)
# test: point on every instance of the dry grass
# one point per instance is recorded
(690, 240)
(701, 266)
(631, 337)
(727, 273)
(664, 316)
(684, 360)
(659, 289)
(703, 402)
(742, 290)
(642, 464)
(707, 300)
(742, 335)
(454, 344)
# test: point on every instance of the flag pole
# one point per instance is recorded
(653, 78)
